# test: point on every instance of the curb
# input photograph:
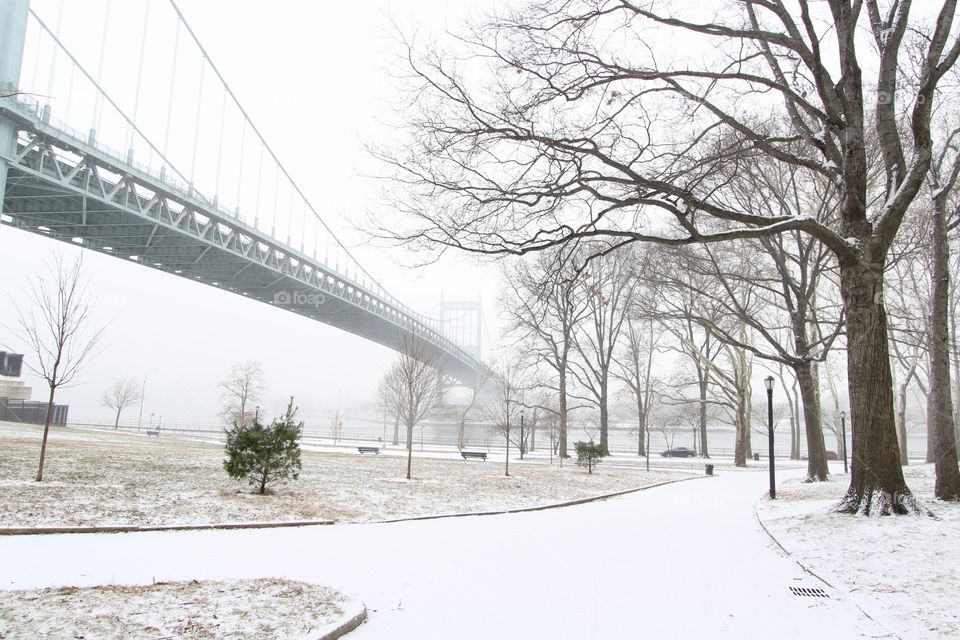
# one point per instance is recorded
(544, 507)
(344, 627)
(26, 531)
(848, 596)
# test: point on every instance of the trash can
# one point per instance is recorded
(756, 457)
(709, 469)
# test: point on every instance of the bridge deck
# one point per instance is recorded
(72, 191)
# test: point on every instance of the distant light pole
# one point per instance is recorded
(143, 391)
(768, 382)
(256, 414)
(843, 432)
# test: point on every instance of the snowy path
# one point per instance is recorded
(686, 560)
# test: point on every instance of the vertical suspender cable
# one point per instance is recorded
(273, 209)
(53, 56)
(196, 125)
(256, 213)
(223, 117)
(290, 217)
(98, 108)
(143, 49)
(243, 144)
(173, 77)
(303, 223)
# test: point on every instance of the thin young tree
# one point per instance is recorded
(57, 329)
(124, 393)
(504, 407)
(548, 123)
(412, 387)
(241, 391)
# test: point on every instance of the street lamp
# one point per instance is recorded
(143, 391)
(768, 382)
(843, 432)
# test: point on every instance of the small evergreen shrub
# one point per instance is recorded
(263, 454)
(589, 455)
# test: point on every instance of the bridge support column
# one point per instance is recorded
(13, 32)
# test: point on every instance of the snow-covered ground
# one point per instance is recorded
(686, 560)
(188, 610)
(108, 478)
(904, 571)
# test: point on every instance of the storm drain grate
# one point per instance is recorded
(809, 592)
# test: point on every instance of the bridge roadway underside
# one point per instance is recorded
(65, 213)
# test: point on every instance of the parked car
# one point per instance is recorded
(679, 452)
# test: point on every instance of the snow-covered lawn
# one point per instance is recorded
(265, 608)
(106, 478)
(904, 571)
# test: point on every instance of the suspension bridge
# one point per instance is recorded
(84, 160)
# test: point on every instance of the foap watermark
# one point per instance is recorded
(298, 299)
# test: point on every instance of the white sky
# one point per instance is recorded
(313, 77)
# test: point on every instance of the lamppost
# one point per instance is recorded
(143, 391)
(843, 433)
(768, 382)
(256, 414)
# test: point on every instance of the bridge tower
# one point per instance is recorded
(13, 32)
(462, 322)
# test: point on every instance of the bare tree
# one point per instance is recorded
(575, 131)
(773, 286)
(56, 329)
(412, 387)
(504, 408)
(121, 395)
(942, 179)
(641, 343)
(545, 306)
(609, 284)
(241, 391)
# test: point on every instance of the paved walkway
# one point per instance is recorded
(687, 560)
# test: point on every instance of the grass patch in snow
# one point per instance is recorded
(904, 570)
(108, 478)
(266, 608)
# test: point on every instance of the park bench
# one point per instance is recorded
(153, 433)
(474, 454)
(363, 450)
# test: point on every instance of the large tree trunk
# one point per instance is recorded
(46, 432)
(939, 401)
(744, 407)
(641, 429)
(604, 418)
(116, 422)
(902, 391)
(876, 478)
(956, 370)
(742, 424)
(563, 413)
(704, 381)
(810, 397)
(409, 448)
